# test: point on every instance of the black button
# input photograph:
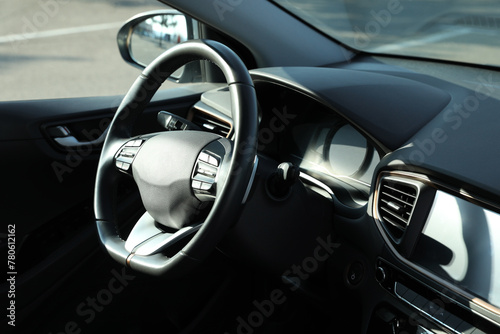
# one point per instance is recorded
(355, 273)
(410, 295)
(465, 328)
(420, 302)
(453, 321)
(400, 289)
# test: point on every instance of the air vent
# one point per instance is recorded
(395, 205)
(211, 123)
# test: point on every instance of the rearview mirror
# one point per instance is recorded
(145, 36)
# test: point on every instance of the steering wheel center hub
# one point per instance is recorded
(162, 170)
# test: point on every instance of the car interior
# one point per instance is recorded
(259, 176)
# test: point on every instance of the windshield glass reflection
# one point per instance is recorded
(457, 30)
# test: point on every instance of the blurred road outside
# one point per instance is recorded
(65, 48)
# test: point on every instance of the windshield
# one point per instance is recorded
(457, 30)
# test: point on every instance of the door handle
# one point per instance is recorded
(69, 141)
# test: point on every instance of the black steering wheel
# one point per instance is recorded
(177, 171)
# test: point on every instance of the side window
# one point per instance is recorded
(60, 48)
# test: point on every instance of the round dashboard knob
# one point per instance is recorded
(380, 274)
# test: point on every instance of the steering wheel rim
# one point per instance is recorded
(241, 161)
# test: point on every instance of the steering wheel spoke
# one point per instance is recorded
(146, 238)
(163, 241)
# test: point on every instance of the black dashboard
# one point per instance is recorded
(411, 163)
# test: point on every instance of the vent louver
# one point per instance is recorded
(395, 205)
(211, 124)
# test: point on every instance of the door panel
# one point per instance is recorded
(47, 188)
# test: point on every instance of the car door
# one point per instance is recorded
(50, 140)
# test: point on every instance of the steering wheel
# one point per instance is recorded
(177, 171)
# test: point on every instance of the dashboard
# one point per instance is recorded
(413, 181)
